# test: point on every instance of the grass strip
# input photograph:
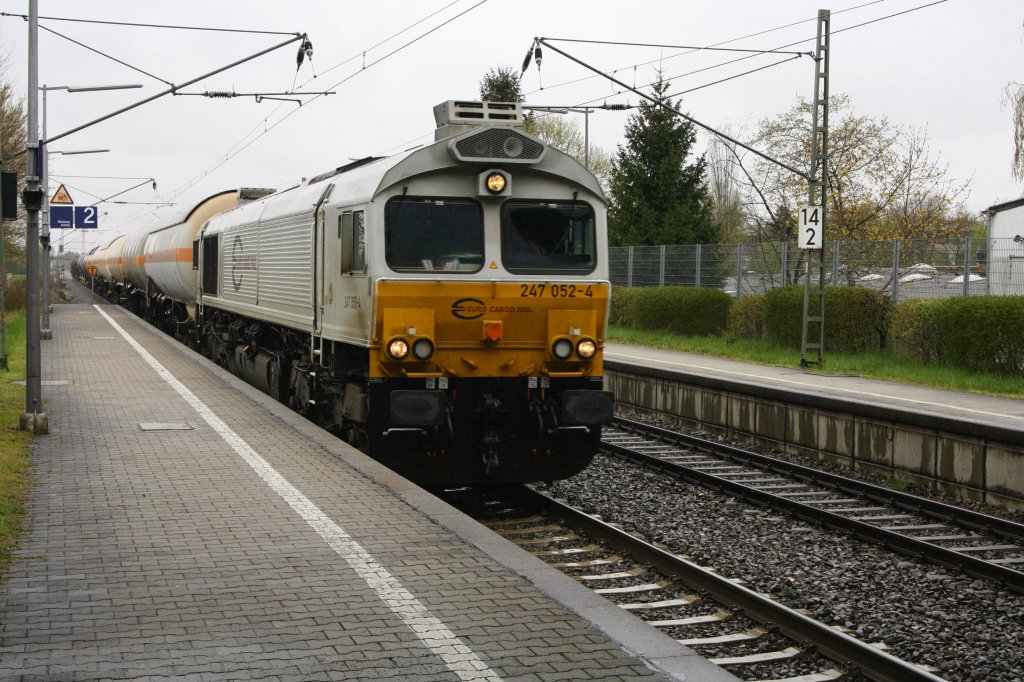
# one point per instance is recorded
(874, 365)
(14, 452)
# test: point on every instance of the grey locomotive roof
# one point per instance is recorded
(362, 182)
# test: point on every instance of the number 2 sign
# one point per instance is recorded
(86, 217)
(810, 235)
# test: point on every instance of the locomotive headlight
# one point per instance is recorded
(397, 348)
(423, 348)
(586, 348)
(561, 348)
(496, 183)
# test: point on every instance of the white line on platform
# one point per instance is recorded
(459, 658)
(749, 375)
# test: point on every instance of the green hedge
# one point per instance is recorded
(746, 319)
(912, 329)
(621, 310)
(855, 319)
(14, 293)
(683, 310)
(979, 333)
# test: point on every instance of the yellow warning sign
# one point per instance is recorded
(494, 266)
(61, 196)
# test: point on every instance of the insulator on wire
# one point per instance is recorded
(219, 93)
(305, 50)
(537, 55)
(526, 60)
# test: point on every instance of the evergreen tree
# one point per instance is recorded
(656, 197)
(501, 84)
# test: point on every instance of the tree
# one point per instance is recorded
(727, 209)
(1013, 96)
(657, 198)
(501, 84)
(883, 180)
(12, 147)
(564, 134)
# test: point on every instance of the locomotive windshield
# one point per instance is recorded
(433, 234)
(548, 237)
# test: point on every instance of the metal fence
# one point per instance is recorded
(908, 268)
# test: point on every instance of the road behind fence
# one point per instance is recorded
(899, 269)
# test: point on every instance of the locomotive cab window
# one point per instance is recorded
(548, 237)
(352, 237)
(433, 234)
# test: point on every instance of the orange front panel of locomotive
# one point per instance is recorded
(488, 329)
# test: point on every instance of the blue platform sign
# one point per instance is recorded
(86, 217)
(61, 217)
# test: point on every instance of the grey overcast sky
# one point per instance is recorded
(942, 67)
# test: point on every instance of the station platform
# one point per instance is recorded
(989, 411)
(182, 525)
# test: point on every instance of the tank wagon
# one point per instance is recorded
(443, 309)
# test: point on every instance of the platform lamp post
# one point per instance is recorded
(44, 235)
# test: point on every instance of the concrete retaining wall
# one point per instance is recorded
(966, 458)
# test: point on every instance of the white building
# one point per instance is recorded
(1005, 253)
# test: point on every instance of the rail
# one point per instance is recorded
(810, 510)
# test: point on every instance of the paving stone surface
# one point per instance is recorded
(163, 554)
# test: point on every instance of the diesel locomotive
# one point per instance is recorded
(443, 309)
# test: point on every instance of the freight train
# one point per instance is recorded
(443, 309)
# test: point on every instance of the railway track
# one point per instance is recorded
(748, 633)
(980, 545)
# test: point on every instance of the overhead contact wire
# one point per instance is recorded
(386, 40)
(240, 147)
(780, 47)
(171, 26)
(267, 118)
(713, 45)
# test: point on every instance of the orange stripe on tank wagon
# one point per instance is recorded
(170, 256)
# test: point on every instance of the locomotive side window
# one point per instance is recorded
(345, 241)
(210, 265)
(358, 242)
(352, 237)
(548, 237)
(433, 234)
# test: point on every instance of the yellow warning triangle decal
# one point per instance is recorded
(61, 196)
(494, 266)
